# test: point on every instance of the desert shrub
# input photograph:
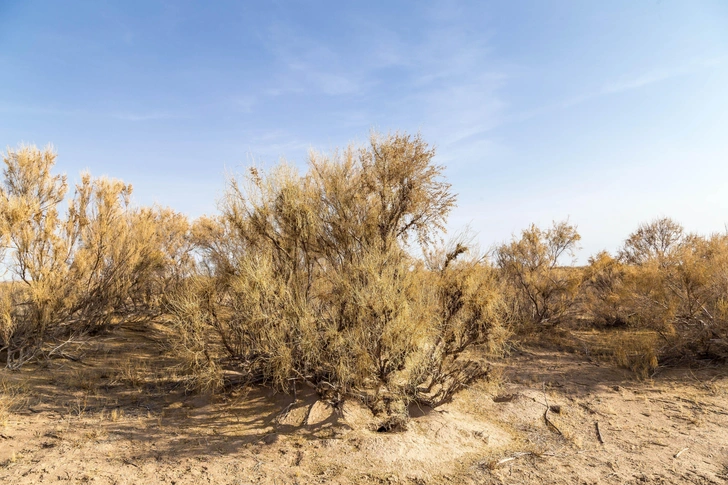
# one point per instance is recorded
(76, 272)
(666, 281)
(542, 288)
(655, 241)
(314, 279)
(637, 352)
(602, 291)
(194, 345)
(616, 293)
(697, 282)
(680, 287)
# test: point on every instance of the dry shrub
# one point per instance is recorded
(664, 280)
(697, 279)
(603, 291)
(76, 273)
(194, 344)
(542, 289)
(636, 351)
(13, 397)
(312, 278)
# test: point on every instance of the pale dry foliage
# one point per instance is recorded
(542, 288)
(312, 278)
(13, 396)
(76, 272)
(664, 280)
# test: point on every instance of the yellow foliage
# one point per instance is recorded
(72, 273)
(543, 289)
(312, 278)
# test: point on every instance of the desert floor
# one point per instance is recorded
(120, 415)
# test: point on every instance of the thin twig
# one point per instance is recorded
(515, 455)
(677, 455)
(599, 432)
(549, 423)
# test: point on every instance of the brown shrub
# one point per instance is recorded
(542, 290)
(74, 273)
(312, 278)
(602, 291)
(666, 281)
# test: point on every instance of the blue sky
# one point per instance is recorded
(608, 113)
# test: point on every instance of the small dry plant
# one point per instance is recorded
(636, 351)
(13, 396)
(131, 372)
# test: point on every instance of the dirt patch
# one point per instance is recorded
(107, 419)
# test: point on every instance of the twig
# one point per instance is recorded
(283, 414)
(599, 432)
(515, 455)
(677, 455)
(546, 413)
(657, 443)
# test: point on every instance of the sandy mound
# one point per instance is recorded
(443, 436)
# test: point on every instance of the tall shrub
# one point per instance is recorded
(543, 288)
(313, 278)
(72, 273)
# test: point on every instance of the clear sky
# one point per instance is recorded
(610, 113)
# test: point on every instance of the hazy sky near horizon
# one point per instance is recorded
(606, 113)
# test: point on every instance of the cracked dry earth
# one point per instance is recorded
(118, 420)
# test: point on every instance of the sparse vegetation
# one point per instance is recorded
(334, 287)
(301, 279)
(12, 397)
(74, 274)
(334, 279)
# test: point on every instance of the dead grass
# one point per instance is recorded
(635, 350)
(131, 372)
(13, 396)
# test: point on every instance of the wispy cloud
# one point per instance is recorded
(456, 84)
(310, 65)
(637, 82)
(621, 85)
(244, 103)
(268, 146)
(31, 109)
(145, 116)
(641, 80)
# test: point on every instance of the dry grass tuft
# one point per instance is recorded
(131, 372)
(13, 397)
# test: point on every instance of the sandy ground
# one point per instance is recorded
(111, 419)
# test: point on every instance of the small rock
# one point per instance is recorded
(320, 412)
